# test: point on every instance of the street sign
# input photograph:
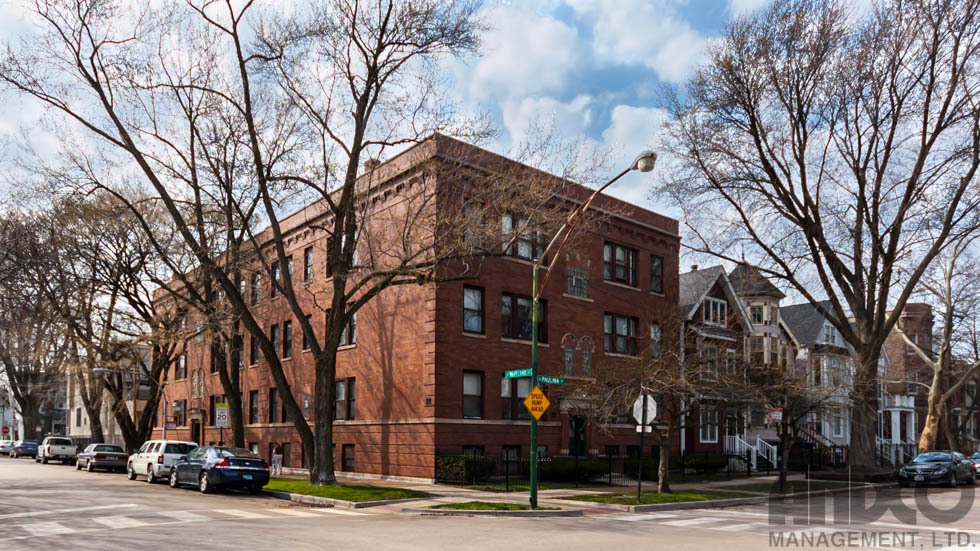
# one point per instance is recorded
(536, 402)
(221, 415)
(5, 430)
(651, 409)
(551, 380)
(516, 373)
(774, 415)
(171, 426)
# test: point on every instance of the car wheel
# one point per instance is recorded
(150, 477)
(13, 455)
(173, 478)
(130, 473)
(204, 484)
(89, 467)
(972, 480)
(44, 460)
(952, 480)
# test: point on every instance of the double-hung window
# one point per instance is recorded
(472, 394)
(274, 336)
(709, 361)
(348, 336)
(520, 238)
(273, 405)
(253, 351)
(308, 264)
(276, 280)
(619, 334)
(656, 274)
(512, 395)
(755, 312)
(256, 288)
(180, 368)
(515, 317)
(619, 264)
(578, 282)
(344, 405)
(253, 407)
(709, 424)
(306, 340)
(473, 309)
(287, 339)
(757, 347)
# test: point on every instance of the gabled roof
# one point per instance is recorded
(748, 281)
(694, 286)
(804, 320)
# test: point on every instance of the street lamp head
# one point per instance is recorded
(100, 370)
(645, 161)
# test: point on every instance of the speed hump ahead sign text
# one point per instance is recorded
(537, 403)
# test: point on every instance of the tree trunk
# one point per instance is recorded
(864, 397)
(231, 386)
(934, 412)
(784, 449)
(663, 469)
(94, 419)
(323, 403)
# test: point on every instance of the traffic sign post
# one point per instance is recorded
(221, 420)
(644, 411)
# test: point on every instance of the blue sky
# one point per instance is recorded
(593, 68)
(590, 68)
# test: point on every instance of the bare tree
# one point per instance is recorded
(829, 149)
(952, 285)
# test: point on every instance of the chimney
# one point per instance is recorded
(371, 164)
(694, 267)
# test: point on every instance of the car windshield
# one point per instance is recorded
(932, 457)
(108, 448)
(28, 443)
(236, 452)
(975, 456)
(60, 442)
(182, 449)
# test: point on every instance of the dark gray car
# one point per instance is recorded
(938, 467)
(102, 456)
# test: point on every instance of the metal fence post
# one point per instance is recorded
(576, 471)
(610, 469)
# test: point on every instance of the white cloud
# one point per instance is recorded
(524, 53)
(633, 128)
(643, 31)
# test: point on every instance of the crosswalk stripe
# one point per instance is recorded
(335, 511)
(119, 521)
(692, 521)
(72, 510)
(294, 512)
(635, 518)
(183, 516)
(49, 528)
(241, 513)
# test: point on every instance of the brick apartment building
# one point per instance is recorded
(421, 374)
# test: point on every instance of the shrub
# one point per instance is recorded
(462, 468)
(650, 467)
(707, 463)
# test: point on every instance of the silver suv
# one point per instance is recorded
(155, 458)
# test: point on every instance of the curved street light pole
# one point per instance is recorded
(644, 162)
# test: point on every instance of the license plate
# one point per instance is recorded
(247, 476)
(919, 477)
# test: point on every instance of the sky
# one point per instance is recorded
(591, 70)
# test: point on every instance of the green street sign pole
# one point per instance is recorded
(534, 383)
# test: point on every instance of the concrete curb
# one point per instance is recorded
(338, 503)
(718, 503)
(466, 513)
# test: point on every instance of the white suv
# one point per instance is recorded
(155, 458)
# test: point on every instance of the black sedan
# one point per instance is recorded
(24, 448)
(211, 467)
(976, 461)
(938, 467)
(102, 456)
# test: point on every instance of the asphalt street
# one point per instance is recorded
(56, 507)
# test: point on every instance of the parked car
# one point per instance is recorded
(56, 448)
(24, 448)
(211, 467)
(938, 467)
(976, 461)
(155, 458)
(102, 456)
(5, 446)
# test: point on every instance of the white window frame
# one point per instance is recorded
(715, 311)
(708, 426)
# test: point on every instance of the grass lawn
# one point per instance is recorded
(794, 486)
(524, 486)
(347, 492)
(649, 498)
(483, 506)
(692, 477)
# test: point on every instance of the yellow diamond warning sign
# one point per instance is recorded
(536, 402)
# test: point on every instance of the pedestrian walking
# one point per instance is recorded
(277, 460)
